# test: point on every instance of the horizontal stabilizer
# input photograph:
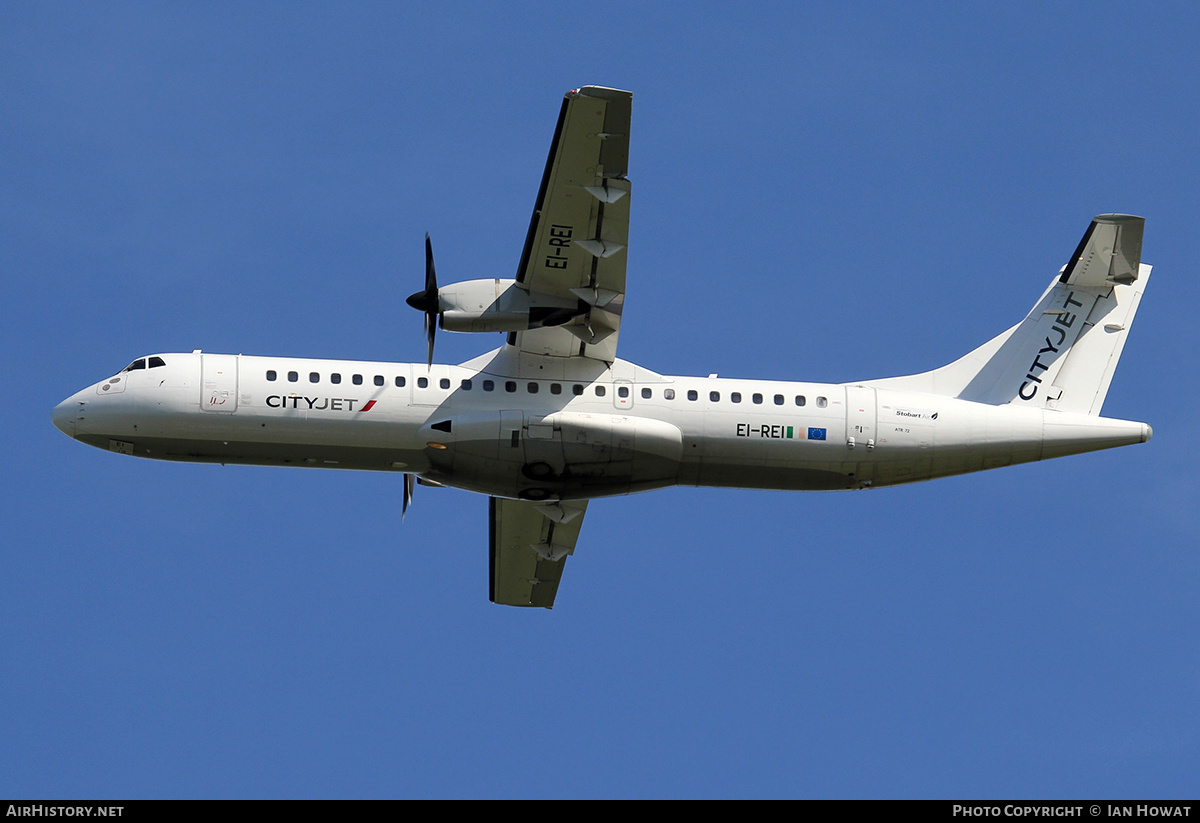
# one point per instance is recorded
(1109, 252)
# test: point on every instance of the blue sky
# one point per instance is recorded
(820, 192)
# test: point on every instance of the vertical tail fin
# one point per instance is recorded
(1063, 354)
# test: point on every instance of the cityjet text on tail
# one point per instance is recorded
(553, 418)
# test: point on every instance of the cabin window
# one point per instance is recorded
(668, 394)
(399, 382)
(800, 401)
(466, 385)
(556, 388)
(757, 399)
(692, 395)
(335, 378)
(314, 377)
(155, 362)
(510, 386)
(293, 376)
(533, 388)
(488, 385)
(646, 394)
(622, 391)
(422, 382)
(822, 402)
(271, 375)
(379, 380)
(357, 379)
(601, 391)
(444, 382)
(735, 397)
(779, 400)
(577, 389)
(714, 397)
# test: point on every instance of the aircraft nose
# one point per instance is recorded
(63, 417)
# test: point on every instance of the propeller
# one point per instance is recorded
(410, 483)
(427, 301)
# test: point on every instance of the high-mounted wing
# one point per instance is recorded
(575, 247)
(574, 251)
(529, 544)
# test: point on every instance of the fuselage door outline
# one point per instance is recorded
(218, 383)
(622, 394)
(860, 417)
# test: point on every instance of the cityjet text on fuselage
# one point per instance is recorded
(296, 401)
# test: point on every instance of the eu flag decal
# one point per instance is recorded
(816, 434)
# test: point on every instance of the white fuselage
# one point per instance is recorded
(626, 430)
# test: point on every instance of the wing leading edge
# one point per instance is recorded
(575, 248)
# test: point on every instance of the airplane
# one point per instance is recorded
(553, 419)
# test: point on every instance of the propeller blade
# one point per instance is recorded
(430, 274)
(410, 485)
(427, 301)
(432, 332)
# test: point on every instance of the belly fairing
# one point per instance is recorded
(564, 455)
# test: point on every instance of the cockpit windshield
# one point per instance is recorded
(154, 363)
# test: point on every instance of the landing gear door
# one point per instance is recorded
(218, 383)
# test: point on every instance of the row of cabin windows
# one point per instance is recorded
(647, 393)
(510, 386)
(756, 399)
(555, 388)
(356, 379)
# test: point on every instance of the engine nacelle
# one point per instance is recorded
(501, 305)
(555, 455)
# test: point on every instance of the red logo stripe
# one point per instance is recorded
(367, 407)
